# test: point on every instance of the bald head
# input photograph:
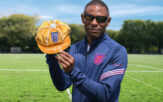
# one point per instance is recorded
(97, 2)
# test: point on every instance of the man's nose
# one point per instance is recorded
(94, 22)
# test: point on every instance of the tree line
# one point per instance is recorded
(138, 36)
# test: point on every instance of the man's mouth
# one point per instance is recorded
(94, 30)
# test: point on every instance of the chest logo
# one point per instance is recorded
(98, 59)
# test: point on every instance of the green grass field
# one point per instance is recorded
(25, 78)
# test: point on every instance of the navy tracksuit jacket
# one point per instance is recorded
(97, 74)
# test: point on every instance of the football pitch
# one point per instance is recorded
(25, 78)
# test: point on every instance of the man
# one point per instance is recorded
(96, 65)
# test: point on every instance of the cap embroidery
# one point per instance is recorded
(54, 36)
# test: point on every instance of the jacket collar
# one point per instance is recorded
(96, 42)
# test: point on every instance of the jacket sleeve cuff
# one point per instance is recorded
(76, 75)
(73, 73)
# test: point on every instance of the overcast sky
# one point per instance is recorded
(69, 11)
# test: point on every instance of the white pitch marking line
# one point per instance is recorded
(23, 70)
(69, 94)
(145, 83)
(7, 69)
(146, 71)
(145, 66)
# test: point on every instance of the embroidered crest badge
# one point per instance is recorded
(98, 59)
(54, 36)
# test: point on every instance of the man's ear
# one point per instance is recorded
(109, 20)
(82, 18)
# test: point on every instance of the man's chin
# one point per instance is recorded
(94, 35)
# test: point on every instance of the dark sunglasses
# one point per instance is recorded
(99, 19)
